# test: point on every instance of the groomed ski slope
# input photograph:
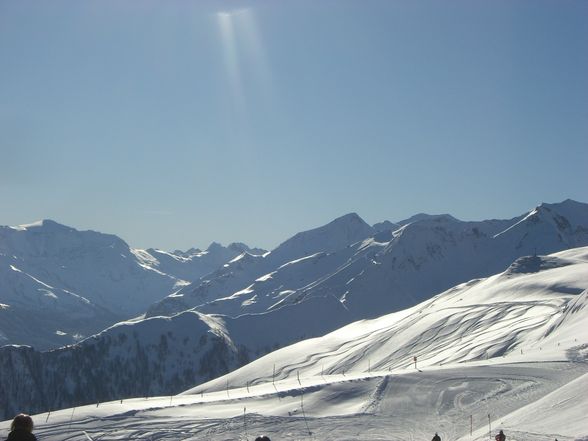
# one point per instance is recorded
(512, 346)
(534, 401)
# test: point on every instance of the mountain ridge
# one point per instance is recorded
(160, 356)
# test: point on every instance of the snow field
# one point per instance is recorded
(531, 398)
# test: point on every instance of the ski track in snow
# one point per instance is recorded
(409, 405)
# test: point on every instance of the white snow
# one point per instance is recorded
(509, 350)
(85, 280)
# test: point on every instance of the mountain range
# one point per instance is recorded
(507, 351)
(373, 271)
(254, 303)
(59, 285)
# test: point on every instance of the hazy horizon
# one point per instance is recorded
(288, 235)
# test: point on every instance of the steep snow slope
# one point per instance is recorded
(143, 358)
(42, 315)
(193, 264)
(58, 284)
(334, 236)
(235, 277)
(229, 278)
(268, 291)
(516, 314)
(153, 356)
(101, 267)
(392, 271)
(388, 271)
(535, 305)
(435, 253)
(563, 225)
(503, 350)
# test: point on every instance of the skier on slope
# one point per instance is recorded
(262, 438)
(436, 437)
(500, 437)
(21, 429)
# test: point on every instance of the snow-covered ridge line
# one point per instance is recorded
(525, 316)
(510, 346)
(511, 317)
(109, 280)
(386, 270)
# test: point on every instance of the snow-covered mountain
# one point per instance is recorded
(508, 350)
(193, 264)
(159, 355)
(333, 236)
(532, 311)
(375, 272)
(242, 271)
(270, 300)
(58, 284)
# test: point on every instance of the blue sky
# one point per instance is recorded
(176, 123)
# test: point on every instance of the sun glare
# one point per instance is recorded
(243, 52)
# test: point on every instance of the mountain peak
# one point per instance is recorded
(567, 203)
(385, 226)
(337, 234)
(570, 212)
(44, 224)
(569, 208)
(349, 217)
(214, 246)
(428, 217)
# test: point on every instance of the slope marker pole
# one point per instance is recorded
(245, 422)
(304, 414)
(71, 418)
(489, 428)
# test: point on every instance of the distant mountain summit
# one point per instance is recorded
(61, 284)
(165, 355)
(211, 311)
(238, 273)
(333, 236)
(525, 316)
(58, 284)
(433, 253)
(193, 264)
(374, 270)
(423, 217)
(555, 226)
